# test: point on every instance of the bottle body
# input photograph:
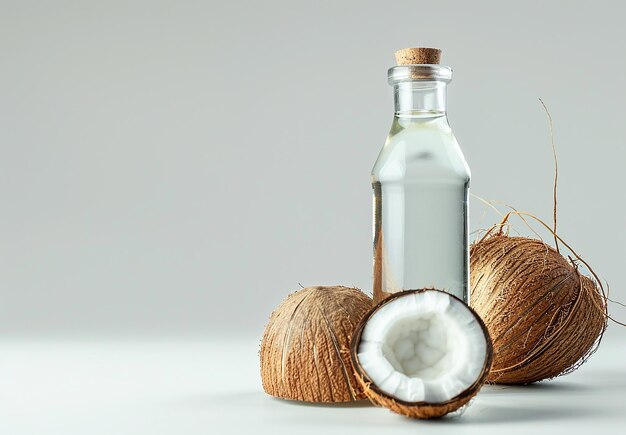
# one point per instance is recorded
(420, 182)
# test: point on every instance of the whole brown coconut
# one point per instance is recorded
(305, 351)
(543, 316)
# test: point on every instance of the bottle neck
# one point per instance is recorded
(420, 98)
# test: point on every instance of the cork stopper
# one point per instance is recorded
(418, 56)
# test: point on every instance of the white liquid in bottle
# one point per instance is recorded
(420, 183)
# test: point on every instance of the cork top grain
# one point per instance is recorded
(418, 56)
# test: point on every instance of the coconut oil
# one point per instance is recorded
(420, 182)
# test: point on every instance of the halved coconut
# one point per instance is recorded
(421, 353)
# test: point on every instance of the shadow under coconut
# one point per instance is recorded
(356, 404)
(242, 399)
(257, 398)
(608, 379)
(487, 407)
(490, 414)
(544, 387)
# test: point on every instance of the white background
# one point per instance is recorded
(182, 166)
(170, 171)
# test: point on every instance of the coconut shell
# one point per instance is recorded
(421, 410)
(305, 348)
(543, 316)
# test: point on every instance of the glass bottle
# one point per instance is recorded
(420, 182)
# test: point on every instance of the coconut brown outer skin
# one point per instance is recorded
(421, 410)
(543, 316)
(305, 348)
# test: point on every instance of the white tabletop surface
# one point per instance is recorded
(212, 386)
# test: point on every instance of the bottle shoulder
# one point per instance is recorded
(422, 151)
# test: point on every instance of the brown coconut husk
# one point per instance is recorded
(305, 348)
(420, 410)
(545, 318)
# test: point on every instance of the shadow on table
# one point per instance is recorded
(545, 387)
(488, 406)
(253, 398)
(493, 414)
(495, 404)
(357, 404)
(594, 384)
(240, 399)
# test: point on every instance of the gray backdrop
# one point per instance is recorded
(179, 167)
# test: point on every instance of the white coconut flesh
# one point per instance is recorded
(425, 346)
